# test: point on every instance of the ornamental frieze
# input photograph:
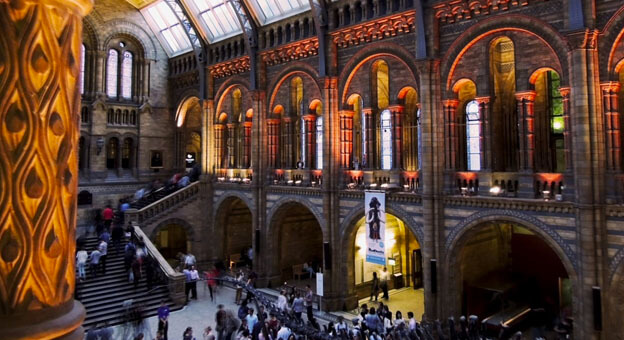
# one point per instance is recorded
(230, 67)
(293, 51)
(458, 10)
(375, 30)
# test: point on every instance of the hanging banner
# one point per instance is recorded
(375, 210)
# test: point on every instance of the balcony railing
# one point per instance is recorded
(165, 204)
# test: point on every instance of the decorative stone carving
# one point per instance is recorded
(40, 48)
(230, 67)
(376, 29)
(458, 10)
(293, 51)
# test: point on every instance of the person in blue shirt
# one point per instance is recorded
(163, 319)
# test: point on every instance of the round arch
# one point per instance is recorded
(183, 107)
(128, 29)
(301, 69)
(612, 35)
(475, 223)
(358, 61)
(306, 240)
(514, 22)
(225, 91)
(348, 238)
(235, 238)
(180, 237)
(284, 201)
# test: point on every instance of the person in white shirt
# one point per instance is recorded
(81, 262)
(103, 248)
(283, 333)
(282, 302)
(189, 260)
(194, 279)
(341, 327)
(412, 321)
(94, 262)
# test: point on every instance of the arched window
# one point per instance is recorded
(81, 151)
(111, 73)
(82, 68)
(548, 124)
(112, 152)
(126, 152)
(126, 75)
(473, 136)
(319, 143)
(386, 140)
(110, 117)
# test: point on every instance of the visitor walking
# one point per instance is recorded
(116, 236)
(309, 301)
(94, 262)
(103, 248)
(163, 319)
(374, 287)
(194, 278)
(297, 307)
(81, 261)
(107, 217)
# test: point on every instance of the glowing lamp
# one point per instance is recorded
(495, 190)
(391, 261)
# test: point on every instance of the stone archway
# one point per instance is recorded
(489, 268)
(295, 238)
(233, 226)
(172, 237)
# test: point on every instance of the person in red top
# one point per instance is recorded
(211, 282)
(107, 216)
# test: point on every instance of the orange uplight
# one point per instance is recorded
(279, 171)
(410, 174)
(467, 175)
(355, 173)
(317, 172)
(550, 177)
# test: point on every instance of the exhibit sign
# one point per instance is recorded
(375, 210)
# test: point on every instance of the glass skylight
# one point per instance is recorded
(167, 27)
(217, 18)
(268, 11)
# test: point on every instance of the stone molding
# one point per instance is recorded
(510, 204)
(458, 10)
(376, 29)
(230, 67)
(293, 51)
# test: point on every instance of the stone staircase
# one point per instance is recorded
(103, 296)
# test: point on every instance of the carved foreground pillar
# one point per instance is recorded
(39, 110)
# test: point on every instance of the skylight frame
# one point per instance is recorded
(264, 18)
(167, 27)
(217, 29)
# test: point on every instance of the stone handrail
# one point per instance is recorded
(145, 214)
(175, 280)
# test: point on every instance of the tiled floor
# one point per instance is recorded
(404, 300)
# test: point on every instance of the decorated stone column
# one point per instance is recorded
(486, 133)
(565, 97)
(397, 136)
(369, 160)
(450, 131)
(273, 142)
(246, 161)
(219, 130)
(612, 124)
(40, 48)
(526, 127)
(346, 138)
(310, 140)
(231, 144)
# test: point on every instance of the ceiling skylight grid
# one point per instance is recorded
(164, 22)
(217, 18)
(268, 11)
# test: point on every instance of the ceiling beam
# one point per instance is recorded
(250, 31)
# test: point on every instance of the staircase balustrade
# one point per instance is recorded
(175, 280)
(145, 214)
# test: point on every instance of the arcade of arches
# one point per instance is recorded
(493, 128)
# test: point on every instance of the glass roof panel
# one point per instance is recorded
(168, 29)
(268, 11)
(217, 18)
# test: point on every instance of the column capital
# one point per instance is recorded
(526, 95)
(330, 82)
(396, 108)
(367, 110)
(610, 86)
(483, 100)
(219, 126)
(231, 125)
(309, 117)
(273, 120)
(346, 113)
(247, 124)
(565, 91)
(450, 102)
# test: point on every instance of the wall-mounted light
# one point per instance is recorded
(391, 261)
(495, 190)
(99, 144)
